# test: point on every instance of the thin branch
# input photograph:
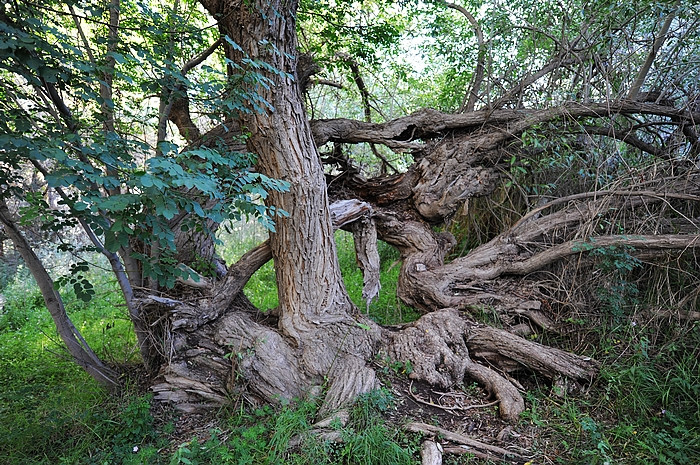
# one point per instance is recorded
(364, 94)
(178, 109)
(86, 44)
(198, 59)
(473, 94)
(626, 135)
(415, 397)
(327, 82)
(530, 79)
(656, 46)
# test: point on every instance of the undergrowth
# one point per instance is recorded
(263, 436)
(643, 408)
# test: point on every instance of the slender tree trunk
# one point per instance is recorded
(77, 346)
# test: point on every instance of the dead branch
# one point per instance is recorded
(487, 450)
(651, 242)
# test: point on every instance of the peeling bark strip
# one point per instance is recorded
(431, 453)
(365, 234)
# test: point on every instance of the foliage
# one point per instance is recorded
(115, 184)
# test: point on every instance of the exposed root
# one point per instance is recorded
(449, 409)
(441, 347)
(497, 345)
(436, 347)
(511, 403)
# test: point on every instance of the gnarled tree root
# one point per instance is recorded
(208, 363)
(439, 346)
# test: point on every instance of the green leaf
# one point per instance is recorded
(118, 57)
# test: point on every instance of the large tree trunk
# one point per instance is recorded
(315, 312)
(319, 340)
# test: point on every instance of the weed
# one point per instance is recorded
(617, 294)
(398, 368)
(367, 439)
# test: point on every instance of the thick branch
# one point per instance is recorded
(401, 132)
(626, 135)
(558, 252)
(179, 112)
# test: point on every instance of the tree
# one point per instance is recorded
(579, 114)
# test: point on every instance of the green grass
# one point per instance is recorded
(643, 408)
(51, 411)
(386, 308)
(262, 436)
